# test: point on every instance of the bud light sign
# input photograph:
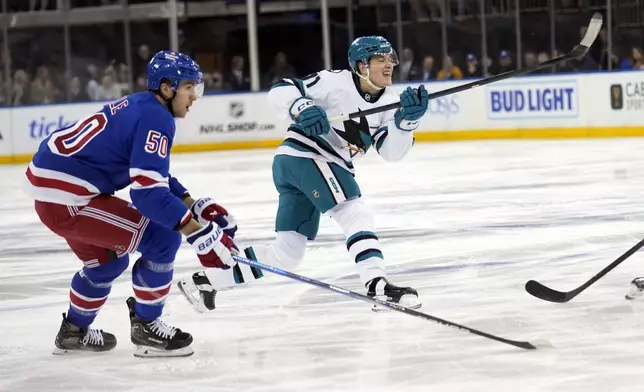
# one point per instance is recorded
(533, 100)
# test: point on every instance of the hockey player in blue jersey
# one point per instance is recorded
(73, 177)
(313, 168)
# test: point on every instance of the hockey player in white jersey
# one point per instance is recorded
(313, 169)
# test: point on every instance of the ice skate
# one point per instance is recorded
(199, 292)
(636, 289)
(74, 339)
(157, 338)
(381, 289)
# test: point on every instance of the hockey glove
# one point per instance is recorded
(214, 248)
(205, 210)
(413, 105)
(309, 117)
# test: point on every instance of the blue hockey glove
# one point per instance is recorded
(413, 105)
(309, 117)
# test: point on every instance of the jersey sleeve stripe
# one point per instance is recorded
(149, 174)
(297, 83)
(186, 218)
(313, 83)
(142, 182)
(146, 179)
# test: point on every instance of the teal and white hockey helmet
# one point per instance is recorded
(364, 48)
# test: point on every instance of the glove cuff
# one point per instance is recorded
(204, 231)
(403, 124)
(300, 105)
(201, 204)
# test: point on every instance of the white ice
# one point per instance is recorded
(467, 224)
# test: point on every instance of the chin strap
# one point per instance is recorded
(368, 80)
(168, 101)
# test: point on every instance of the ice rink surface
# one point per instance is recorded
(467, 224)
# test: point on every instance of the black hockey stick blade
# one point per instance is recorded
(545, 293)
(528, 345)
(576, 53)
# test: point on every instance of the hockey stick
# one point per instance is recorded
(547, 294)
(576, 53)
(531, 345)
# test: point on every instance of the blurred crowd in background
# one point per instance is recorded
(441, 39)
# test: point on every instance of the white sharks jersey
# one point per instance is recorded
(338, 92)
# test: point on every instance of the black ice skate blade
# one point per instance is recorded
(196, 303)
(380, 308)
(149, 352)
(70, 351)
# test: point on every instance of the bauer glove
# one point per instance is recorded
(205, 210)
(214, 248)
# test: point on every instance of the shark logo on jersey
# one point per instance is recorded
(357, 135)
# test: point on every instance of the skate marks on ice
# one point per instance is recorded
(466, 224)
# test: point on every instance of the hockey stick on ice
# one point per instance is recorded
(547, 294)
(531, 345)
(576, 53)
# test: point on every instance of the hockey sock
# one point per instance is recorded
(357, 222)
(151, 282)
(89, 290)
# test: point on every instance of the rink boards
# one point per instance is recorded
(562, 106)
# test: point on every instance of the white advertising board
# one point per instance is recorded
(606, 103)
(229, 117)
(30, 125)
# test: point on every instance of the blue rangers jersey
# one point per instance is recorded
(128, 142)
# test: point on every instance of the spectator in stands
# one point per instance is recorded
(280, 69)
(542, 57)
(636, 58)
(568, 66)
(449, 70)
(124, 79)
(76, 91)
(42, 89)
(141, 60)
(92, 83)
(408, 70)
(140, 85)
(505, 63)
(586, 63)
(428, 72)
(530, 59)
(217, 81)
(20, 88)
(237, 79)
(473, 68)
(109, 89)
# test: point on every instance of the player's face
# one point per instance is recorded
(381, 69)
(186, 94)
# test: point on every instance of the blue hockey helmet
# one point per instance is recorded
(173, 67)
(364, 48)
